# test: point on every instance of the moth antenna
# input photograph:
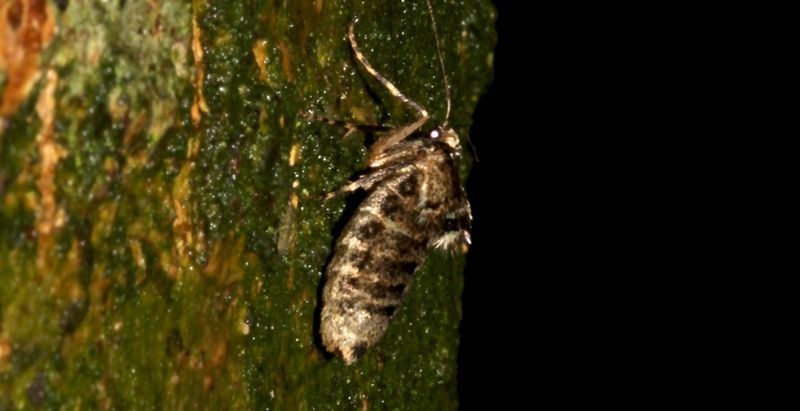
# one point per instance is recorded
(446, 81)
(386, 83)
(441, 62)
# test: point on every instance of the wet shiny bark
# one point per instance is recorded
(162, 233)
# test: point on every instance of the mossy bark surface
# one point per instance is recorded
(162, 230)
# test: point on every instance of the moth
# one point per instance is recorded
(414, 202)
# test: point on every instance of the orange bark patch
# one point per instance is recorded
(182, 226)
(294, 155)
(5, 349)
(260, 54)
(286, 60)
(197, 49)
(183, 232)
(225, 263)
(26, 27)
(5, 353)
(48, 217)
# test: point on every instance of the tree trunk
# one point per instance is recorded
(162, 231)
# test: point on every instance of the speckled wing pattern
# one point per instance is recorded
(417, 203)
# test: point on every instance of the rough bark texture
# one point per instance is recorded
(162, 233)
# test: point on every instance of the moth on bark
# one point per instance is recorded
(414, 202)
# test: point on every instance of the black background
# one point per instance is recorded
(568, 278)
(488, 340)
(542, 275)
(595, 207)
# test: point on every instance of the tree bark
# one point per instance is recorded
(162, 231)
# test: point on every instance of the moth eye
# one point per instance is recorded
(435, 134)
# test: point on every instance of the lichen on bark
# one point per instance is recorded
(162, 233)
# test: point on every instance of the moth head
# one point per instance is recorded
(448, 136)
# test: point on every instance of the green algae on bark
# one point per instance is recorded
(178, 261)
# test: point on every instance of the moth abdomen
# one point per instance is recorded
(368, 277)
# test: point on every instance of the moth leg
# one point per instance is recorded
(380, 145)
(350, 127)
(389, 156)
(367, 181)
(402, 132)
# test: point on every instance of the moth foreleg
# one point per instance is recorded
(367, 181)
(349, 126)
(394, 137)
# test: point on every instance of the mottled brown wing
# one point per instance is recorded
(385, 241)
(373, 266)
